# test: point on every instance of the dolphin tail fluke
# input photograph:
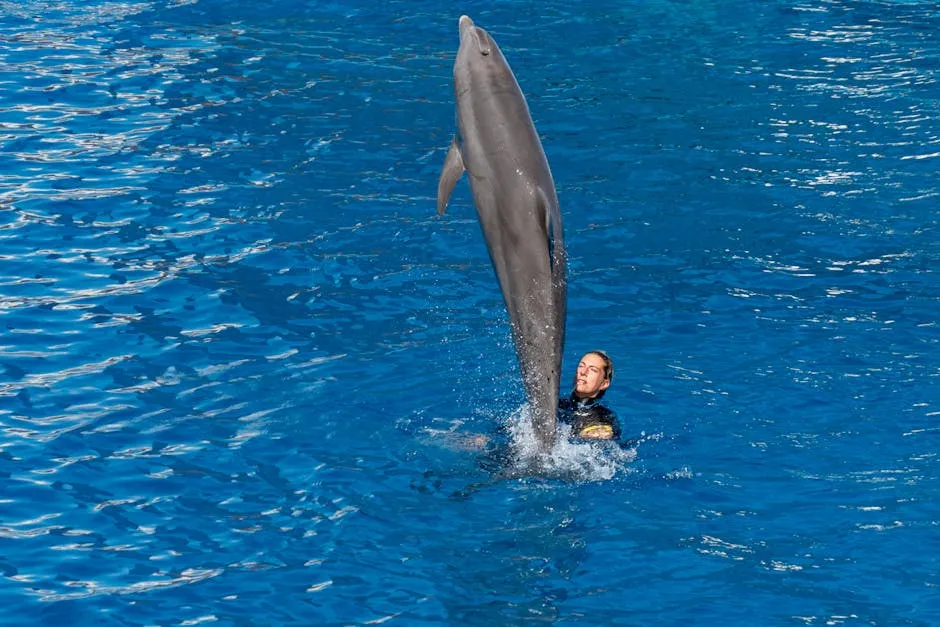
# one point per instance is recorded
(453, 170)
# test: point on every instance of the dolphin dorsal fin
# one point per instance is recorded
(553, 235)
(542, 207)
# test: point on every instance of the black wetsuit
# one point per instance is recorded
(587, 415)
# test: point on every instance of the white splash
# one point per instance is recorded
(579, 460)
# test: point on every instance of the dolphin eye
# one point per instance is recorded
(482, 44)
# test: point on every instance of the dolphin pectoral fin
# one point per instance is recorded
(453, 170)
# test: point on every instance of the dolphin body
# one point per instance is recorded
(512, 187)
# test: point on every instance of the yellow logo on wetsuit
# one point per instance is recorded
(597, 432)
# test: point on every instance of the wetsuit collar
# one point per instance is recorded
(583, 403)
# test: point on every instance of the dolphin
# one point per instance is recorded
(498, 146)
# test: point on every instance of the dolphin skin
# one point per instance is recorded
(512, 187)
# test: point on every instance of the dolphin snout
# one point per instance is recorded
(477, 35)
(465, 27)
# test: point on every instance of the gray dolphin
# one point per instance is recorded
(513, 190)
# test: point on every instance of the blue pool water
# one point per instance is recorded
(239, 351)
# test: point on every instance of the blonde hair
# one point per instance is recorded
(608, 363)
(608, 368)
